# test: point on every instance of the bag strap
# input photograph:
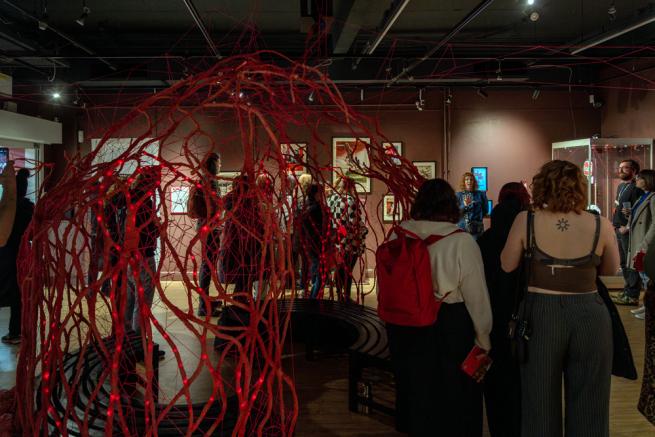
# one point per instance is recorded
(524, 276)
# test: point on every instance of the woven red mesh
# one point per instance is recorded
(245, 104)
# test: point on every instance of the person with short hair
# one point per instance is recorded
(474, 205)
(10, 293)
(627, 194)
(433, 395)
(565, 315)
(641, 224)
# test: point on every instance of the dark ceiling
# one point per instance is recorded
(146, 43)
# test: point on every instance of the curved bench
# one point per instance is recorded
(93, 365)
(368, 348)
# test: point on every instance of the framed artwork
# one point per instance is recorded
(295, 155)
(225, 179)
(390, 211)
(480, 174)
(347, 155)
(394, 149)
(179, 199)
(427, 169)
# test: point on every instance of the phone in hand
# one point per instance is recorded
(4, 157)
(477, 363)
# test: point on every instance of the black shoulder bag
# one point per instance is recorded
(518, 329)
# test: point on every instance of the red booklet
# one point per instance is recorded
(472, 363)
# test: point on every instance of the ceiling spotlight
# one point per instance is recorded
(535, 93)
(56, 95)
(449, 99)
(534, 16)
(311, 97)
(43, 25)
(85, 13)
(482, 93)
(530, 2)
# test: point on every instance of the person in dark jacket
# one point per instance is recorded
(473, 204)
(502, 384)
(10, 294)
(312, 232)
(627, 195)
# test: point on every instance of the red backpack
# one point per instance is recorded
(404, 275)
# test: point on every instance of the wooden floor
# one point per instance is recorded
(322, 384)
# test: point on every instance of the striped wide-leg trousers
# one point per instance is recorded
(571, 338)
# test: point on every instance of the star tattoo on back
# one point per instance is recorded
(563, 225)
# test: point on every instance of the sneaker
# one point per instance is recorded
(623, 299)
(11, 339)
(641, 316)
(640, 310)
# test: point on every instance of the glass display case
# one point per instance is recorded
(599, 159)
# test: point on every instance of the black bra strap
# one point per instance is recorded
(596, 235)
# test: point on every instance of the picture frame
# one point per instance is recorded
(394, 149)
(295, 154)
(225, 179)
(391, 212)
(347, 155)
(179, 196)
(481, 177)
(427, 169)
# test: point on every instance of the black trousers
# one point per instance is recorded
(344, 276)
(209, 263)
(434, 397)
(631, 278)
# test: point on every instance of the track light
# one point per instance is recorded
(482, 93)
(82, 18)
(56, 95)
(499, 72)
(361, 94)
(43, 25)
(420, 103)
(449, 99)
(311, 97)
(535, 93)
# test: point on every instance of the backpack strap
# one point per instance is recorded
(434, 238)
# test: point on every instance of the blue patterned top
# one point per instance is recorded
(474, 207)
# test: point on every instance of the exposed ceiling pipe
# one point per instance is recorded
(604, 37)
(62, 35)
(370, 47)
(24, 64)
(466, 20)
(196, 17)
(387, 26)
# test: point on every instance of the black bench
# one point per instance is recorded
(361, 332)
(92, 364)
(333, 325)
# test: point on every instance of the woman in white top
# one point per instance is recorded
(433, 395)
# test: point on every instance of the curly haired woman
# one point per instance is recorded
(473, 204)
(566, 314)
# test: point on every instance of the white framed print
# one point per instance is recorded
(391, 211)
(427, 169)
(349, 157)
(225, 180)
(395, 150)
(179, 199)
(295, 154)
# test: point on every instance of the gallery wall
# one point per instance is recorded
(509, 132)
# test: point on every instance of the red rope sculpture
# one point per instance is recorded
(94, 234)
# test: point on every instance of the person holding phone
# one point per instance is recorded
(627, 195)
